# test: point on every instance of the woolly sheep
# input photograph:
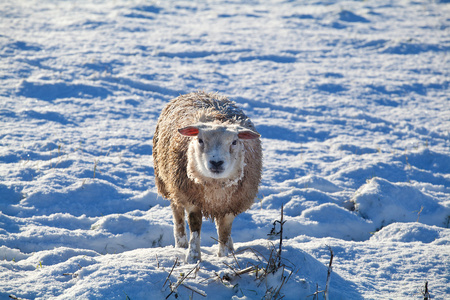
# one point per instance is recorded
(207, 159)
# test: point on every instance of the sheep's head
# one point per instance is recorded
(217, 151)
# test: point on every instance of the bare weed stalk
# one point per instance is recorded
(173, 287)
(170, 273)
(16, 298)
(95, 167)
(330, 269)
(327, 285)
(425, 293)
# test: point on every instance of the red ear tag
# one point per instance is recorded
(189, 131)
(248, 135)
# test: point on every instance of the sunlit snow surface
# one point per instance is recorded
(351, 99)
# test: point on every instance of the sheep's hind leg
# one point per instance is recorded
(179, 226)
(224, 232)
(195, 226)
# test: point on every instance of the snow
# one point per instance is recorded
(351, 99)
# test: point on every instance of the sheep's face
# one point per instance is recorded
(217, 151)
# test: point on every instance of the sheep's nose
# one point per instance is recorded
(216, 164)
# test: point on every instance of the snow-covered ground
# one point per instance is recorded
(352, 101)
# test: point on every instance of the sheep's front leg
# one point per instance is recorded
(179, 226)
(195, 226)
(224, 232)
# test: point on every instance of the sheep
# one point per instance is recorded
(207, 159)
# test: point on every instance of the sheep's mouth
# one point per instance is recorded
(216, 170)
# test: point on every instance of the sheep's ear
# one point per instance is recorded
(189, 131)
(248, 135)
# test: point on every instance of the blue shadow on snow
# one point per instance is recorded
(58, 90)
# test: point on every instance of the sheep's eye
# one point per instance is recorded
(234, 142)
(200, 141)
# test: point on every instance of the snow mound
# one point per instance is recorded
(11, 254)
(314, 182)
(127, 232)
(91, 197)
(384, 203)
(331, 220)
(412, 232)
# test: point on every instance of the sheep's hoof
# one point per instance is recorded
(193, 256)
(226, 249)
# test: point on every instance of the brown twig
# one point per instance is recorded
(237, 263)
(425, 293)
(238, 273)
(277, 293)
(327, 285)
(246, 270)
(15, 298)
(180, 281)
(220, 278)
(170, 273)
(194, 289)
(232, 269)
(281, 237)
(330, 269)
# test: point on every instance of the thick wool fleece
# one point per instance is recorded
(179, 182)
